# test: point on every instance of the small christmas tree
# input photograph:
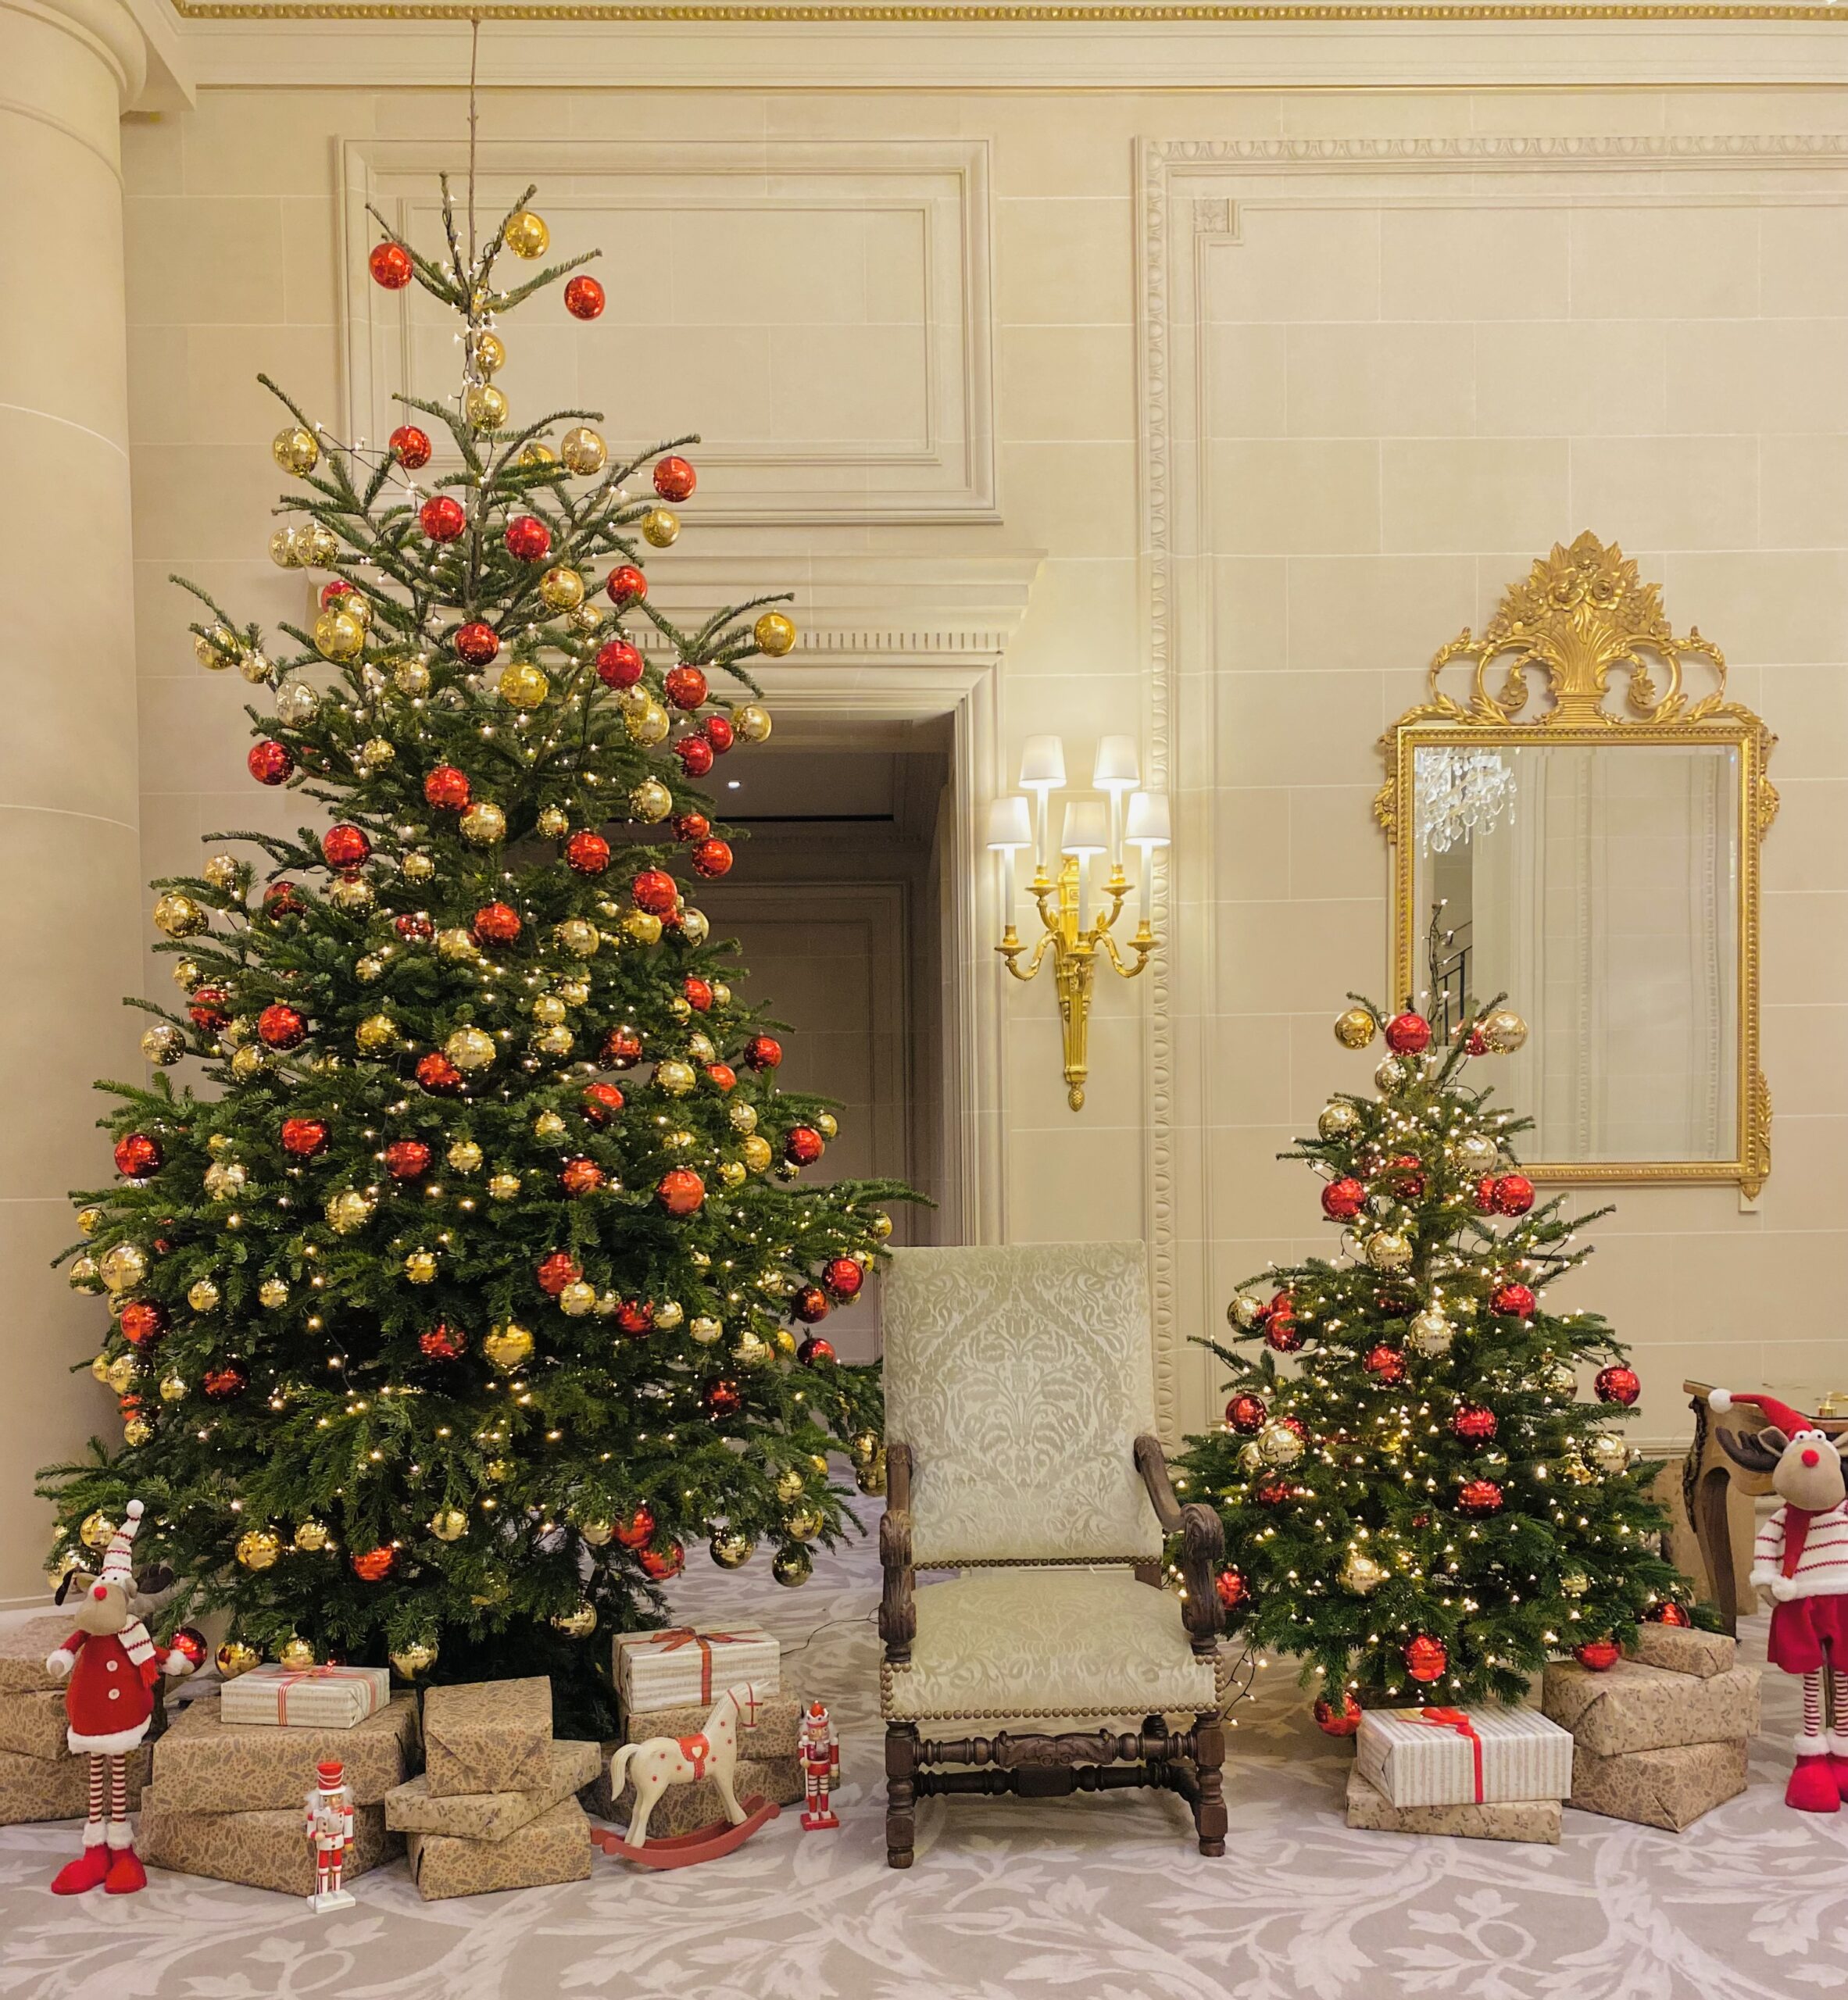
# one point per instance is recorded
(1425, 1508)
(459, 1305)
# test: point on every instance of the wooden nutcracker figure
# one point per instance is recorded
(113, 1667)
(328, 1815)
(820, 1754)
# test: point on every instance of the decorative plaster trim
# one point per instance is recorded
(989, 13)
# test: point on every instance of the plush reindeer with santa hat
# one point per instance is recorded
(113, 1666)
(1801, 1557)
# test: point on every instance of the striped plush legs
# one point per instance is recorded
(1812, 1787)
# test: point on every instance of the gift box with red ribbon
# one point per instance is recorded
(689, 1664)
(312, 1697)
(1478, 1756)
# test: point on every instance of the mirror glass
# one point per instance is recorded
(1599, 884)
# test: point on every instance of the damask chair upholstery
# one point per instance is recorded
(1021, 1451)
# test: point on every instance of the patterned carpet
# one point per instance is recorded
(1078, 1899)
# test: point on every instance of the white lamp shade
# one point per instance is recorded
(1084, 828)
(1042, 763)
(1148, 822)
(1116, 769)
(1011, 824)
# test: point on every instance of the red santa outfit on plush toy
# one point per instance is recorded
(1801, 1557)
(818, 1753)
(113, 1665)
(329, 1813)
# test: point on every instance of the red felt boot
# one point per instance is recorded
(125, 1873)
(1812, 1787)
(1839, 1765)
(89, 1869)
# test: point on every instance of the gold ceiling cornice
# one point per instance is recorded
(955, 12)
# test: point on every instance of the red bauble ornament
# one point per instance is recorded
(1513, 1195)
(1384, 1364)
(438, 1074)
(691, 827)
(653, 890)
(226, 1380)
(712, 859)
(278, 1026)
(142, 1323)
(625, 584)
(447, 789)
(636, 1317)
(407, 1159)
(1425, 1659)
(1485, 1195)
(1231, 1587)
(497, 924)
(1479, 1496)
(414, 927)
(332, 592)
(442, 1342)
(722, 1398)
(622, 1048)
(722, 1074)
(1474, 1422)
(1599, 1655)
(1343, 1199)
(557, 1270)
(638, 1530)
(674, 479)
(269, 762)
(810, 1305)
(410, 447)
(1407, 1171)
(282, 899)
(720, 734)
(1408, 1034)
(1272, 1493)
(1342, 1720)
(680, 1191)
(208, 1009)
(374, 1565)
(304, 1137)
(477, 644)
(843, 1276)
(762, 1051)
(580, 1177)
(1282, 1332)
(390, 264)
(1475, 1042)
(588, 853)
(697, 992)
(814, 1349)
(602, 1101)
(441, 518)
(137, 1155)
(802, 1145)
(584, 297)
(1515, 1300)
(696, 755)
(1246, 1414)
(529, 539)
(190, 1643)
(686, 686)
(1669, 1613)
(619, 664)
(346, 847)
(663, 1565)
(1617, 1384)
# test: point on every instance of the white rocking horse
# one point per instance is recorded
(653, 1765)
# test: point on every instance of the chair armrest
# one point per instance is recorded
(1203, 1545)
(898, 1611)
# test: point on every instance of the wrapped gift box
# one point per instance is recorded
(1634, 1707)
(34, 1725)
(488, 1736)
(492, 1815)
(1534, 1820)
(554, 1847)
(263, 1850)
(23, 1650)
(682, 1808)
(1680, 1649)
(308, 1697)
(774, 1733)
(689, 1664)
(1486, 1755)
(45, 1788)
(204, 1764)
(1666, 1788)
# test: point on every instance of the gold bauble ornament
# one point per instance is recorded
(173, 1388)
(596, 1532)
(699, 1049)
(578, 937)
(755, 1152)
(273, 1293)
(704, 1329)
(535, 452)
(1356, 1028)
(577, 1624)
(774, 634)
(792, 1566)
(752, 722)
(1608, 1453)
(225, 1178)
(348, 1210)
(225, 872)
(827, 1125)
(123, 1266)
(1430, 1333)
(163, 1045)
(378, 753)
(246, 1062)
(1573, 1470)
(1475, 1154)
(97, 1530)
(412, 677)
(790, 1485)
(284, 551)
(1561, 1380)
(1280, 1445)
(100, 1366)
(1389, 1075)
(351, 893)
(120, 1374)
(484, 407)
(721, 994)
(522, 686)
(491, 352)
(418, 1656)
(548, 1010)
(732, 1548)
(585, 617)
(648, 724)
(484, 825)
(743, 1117)
(642, 926)
(419, 1266)
(137, 1431)
(317, 546)
(881, 1226)
(503, 1187)
(660, 527)
(651, 802)
(1574, 1583)
(577, 1299)
(1387, 1250)
(465, 1156)
(553, 823)
(674, 1076)
(870, 1477)
(369, 969)
(187, 973)
(1504, 1031)
(448, 1524)
(255, 667)
(257, 1549)
(583, 450)
(338, 636)
(311, 1537)
(562, 586)
(548, 1125)
(178, 916)
(296, 450)
(732, 1173)
(668, 1315)
(555, 1042)
(753, 1350)
(234, 1658)
(508, 1347)
(216, 649)
(527, 235)
(376, 1033)
(296, 1654)
(457, 945)
(84, 1275)
(469, 1049)
(356, 604)
(498, 1470)
(1339, 1120)
(418, 866)
(1360, 1574)
(693, 926)
(89, 1219)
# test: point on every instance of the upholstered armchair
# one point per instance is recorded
(1021, 1451)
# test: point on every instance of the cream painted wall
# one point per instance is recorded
(1407, 388)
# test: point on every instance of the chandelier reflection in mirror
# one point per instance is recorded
(1461, 792)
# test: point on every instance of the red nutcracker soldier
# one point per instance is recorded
(820, 1754)
(329, 1814)
(113, 1666)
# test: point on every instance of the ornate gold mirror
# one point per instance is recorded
(1598, 864)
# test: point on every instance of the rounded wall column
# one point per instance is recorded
(71, 899)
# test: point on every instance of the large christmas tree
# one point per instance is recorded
(1424, 1507)
(459, 1306)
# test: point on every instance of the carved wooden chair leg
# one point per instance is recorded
(901, 1793)
(1209, 1753)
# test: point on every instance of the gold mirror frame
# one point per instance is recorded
(1581, 614)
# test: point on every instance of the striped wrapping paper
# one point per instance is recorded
(1485, 1755)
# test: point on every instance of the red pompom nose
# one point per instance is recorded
(1811, 1455)
(99, 1591)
